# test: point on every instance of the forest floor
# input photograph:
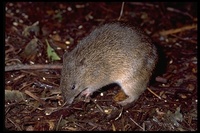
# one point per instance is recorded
(33, 101)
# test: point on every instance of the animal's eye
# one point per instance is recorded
(73, 87)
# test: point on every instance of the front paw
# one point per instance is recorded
(85, 97)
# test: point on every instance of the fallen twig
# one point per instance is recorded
(137, 124)
(173, 31)
(153, 93)
(97, 106)
(21, 67)
(15, 124)
(59, 122)
(121, 12)
(184, 39)
(34, 97)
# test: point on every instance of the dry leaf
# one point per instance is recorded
(120, 96)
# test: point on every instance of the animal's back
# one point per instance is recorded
(115, 47)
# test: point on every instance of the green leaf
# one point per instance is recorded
(51, 53)
(33, 28)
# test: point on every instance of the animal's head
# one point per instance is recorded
(72, 82)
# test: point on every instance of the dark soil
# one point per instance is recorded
(32, 97)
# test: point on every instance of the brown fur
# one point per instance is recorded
(112, 53)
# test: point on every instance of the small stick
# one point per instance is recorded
(34, 97)
(173, 31)
(59, 122)
(15, 124)
(183, 39)
(119, 114)
(97, 106)
(153, 93)
(37, 66)
(137, 124)
(121, 12)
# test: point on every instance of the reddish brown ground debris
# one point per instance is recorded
(34, 104)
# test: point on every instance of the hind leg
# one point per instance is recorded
(133, 89)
